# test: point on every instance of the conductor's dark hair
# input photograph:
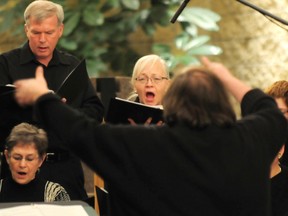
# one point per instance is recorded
(198, 98)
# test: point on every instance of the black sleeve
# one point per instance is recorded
(76, 129)
(264, 121)
(254, 100)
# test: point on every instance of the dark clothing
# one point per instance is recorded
(279, 193)
(178, 170)
(21, 63)
(284, 158)
(38, 190)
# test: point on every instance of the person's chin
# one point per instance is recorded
(151, 103)
(22, 181)
(42, 54)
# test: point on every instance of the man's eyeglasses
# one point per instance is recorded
(19, 158)
(154, 79)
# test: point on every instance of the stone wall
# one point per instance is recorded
(255, 48)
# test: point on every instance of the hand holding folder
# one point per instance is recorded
(120, 110)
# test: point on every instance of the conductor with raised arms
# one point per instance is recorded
(201, 162)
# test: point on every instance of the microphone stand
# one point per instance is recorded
(179, 11)
(264, 12)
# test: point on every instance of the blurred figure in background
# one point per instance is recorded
(279, 171)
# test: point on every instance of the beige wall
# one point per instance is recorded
(254, 47)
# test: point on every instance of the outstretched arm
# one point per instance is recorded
(237, 88)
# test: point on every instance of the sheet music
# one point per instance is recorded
(44, 210)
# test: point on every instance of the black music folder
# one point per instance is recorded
(12, 114)
(73, 84)
(7, 96)
(119, 110)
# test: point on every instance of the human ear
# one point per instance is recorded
(43, 158)
(6, 156)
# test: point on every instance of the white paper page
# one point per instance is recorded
(44, 210)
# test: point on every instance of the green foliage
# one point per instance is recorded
(98, 30)
(189, 44)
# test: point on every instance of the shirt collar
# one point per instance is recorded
(27, 56)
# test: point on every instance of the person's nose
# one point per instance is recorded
(149, 82)
(42, 37)
(23, 163)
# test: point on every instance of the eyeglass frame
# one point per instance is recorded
(155, 80)
(20, 158)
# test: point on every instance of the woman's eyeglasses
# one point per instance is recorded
(19, 158)
(154, 79)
